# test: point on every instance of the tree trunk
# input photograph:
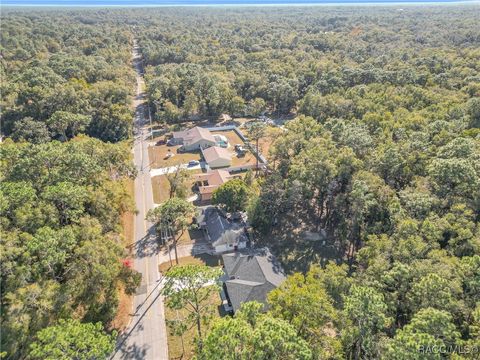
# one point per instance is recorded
(200, 339)
(175, 247)
(181, 337)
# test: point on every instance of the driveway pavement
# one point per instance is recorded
(171, 169)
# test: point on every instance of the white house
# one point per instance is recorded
(231, 239)
(217, 157)
(223, 235)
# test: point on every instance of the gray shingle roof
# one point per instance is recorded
(221, 231)
(252, 275)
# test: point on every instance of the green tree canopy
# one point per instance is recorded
(232, 196)
(172, 217)
(71, 339)
(253, 335)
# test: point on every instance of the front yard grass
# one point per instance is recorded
(175, 348)
(161, 186)
(157, 154)
(190, 236)
(200, 259)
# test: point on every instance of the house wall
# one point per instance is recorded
(199, 144)
(206, 196)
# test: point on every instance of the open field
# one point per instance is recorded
(157, 156)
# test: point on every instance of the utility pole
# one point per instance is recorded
(150, 118)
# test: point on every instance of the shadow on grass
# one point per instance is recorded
(195, 259)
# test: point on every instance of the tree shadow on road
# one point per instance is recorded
(148, 245)
(131, 352)
(126, 351)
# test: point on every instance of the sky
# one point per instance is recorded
(215, 2)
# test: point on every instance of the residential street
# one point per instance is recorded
(146, 336)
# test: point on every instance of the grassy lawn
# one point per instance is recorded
(200, 259)
(190, 236)
(175, 350)
(248, 159)
(216, 310)
(161, 186)
(157, 154)
(231, 135)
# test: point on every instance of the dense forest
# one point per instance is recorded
(382, 157)
(324, 62)
(65, 73)
(66, 95)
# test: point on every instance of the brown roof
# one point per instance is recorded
(216, 152)
(214, 178)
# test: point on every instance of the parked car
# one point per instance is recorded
(161, 142)
(193, 163)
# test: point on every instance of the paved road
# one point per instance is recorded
(146, 336)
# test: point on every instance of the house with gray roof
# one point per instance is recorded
(249, 276)
(193, 139)
(223, 234)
